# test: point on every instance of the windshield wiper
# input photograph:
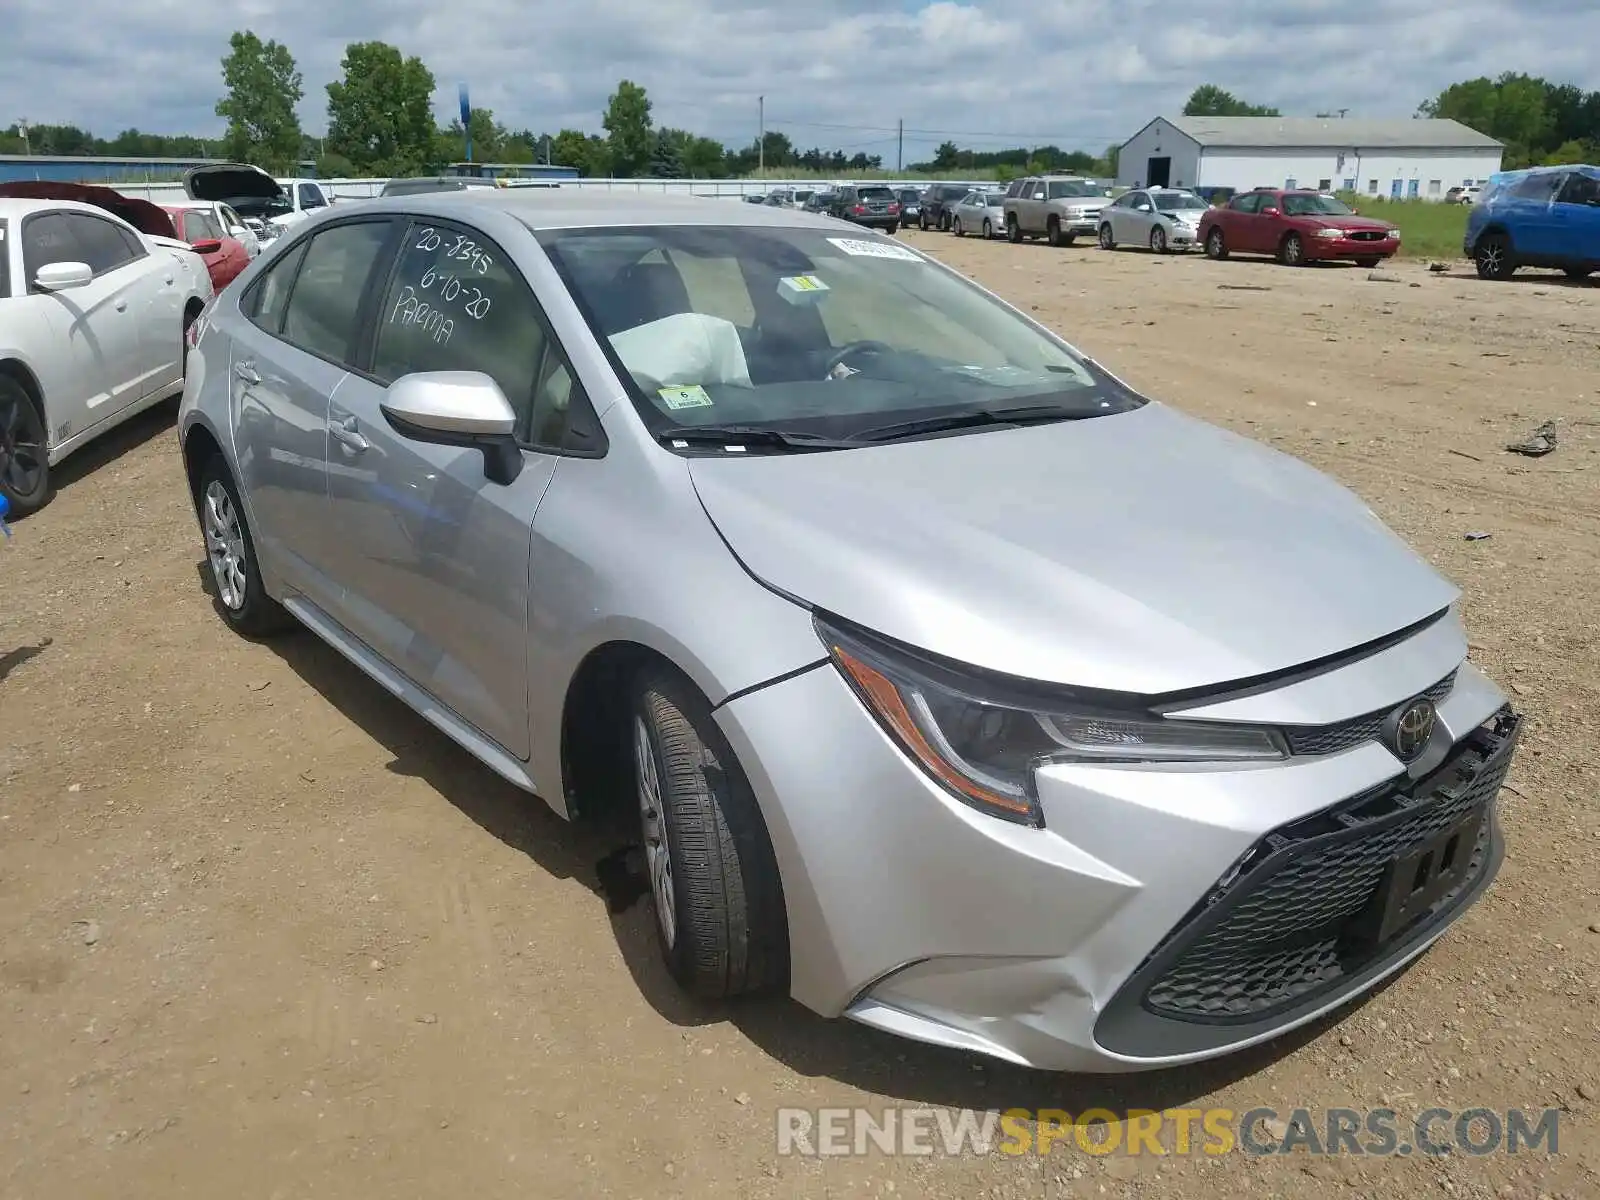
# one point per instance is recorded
(1021, 414)
(751, 435)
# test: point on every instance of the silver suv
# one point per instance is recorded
(1057, 207)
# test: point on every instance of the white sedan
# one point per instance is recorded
(979, 211)
(93, 322)
(1161, 218)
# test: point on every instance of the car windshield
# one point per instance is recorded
(808, 332)
(1315, 206)
(1178, 201)
(1060, 189)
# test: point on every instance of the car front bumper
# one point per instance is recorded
(1331, 248)
(1162, 915)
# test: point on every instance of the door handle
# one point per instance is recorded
(246, 371)
(344, 432)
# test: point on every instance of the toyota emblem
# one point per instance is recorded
(1410, 728)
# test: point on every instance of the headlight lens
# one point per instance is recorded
(1330, 233)
(984, 746)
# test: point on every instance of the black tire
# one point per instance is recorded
(1107, 241)
(1577, 272)
(241, 599)
(1216, 245)
(1292, 251)
(922, 222)
(1158, 240)
(988, 229)
(944, 222)
(1367, 264)
(1493, 257)
(893, 229)
(1013, 230)
(1052, 232)
(24, 449)
(955, 228)
(728, 934)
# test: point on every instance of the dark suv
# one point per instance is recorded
(1538, 217)
(870, 204)
(937, 202)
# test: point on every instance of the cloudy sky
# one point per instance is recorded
(836, 73)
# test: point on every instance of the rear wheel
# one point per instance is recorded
(231, 555)
(1292, 251)
(1013, 230)
(24, 452)
(713, 877)
(922, 222)
(1107, 241)
(1216, 245)
(1158, 240)
(1493, 257)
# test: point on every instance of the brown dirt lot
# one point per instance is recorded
(264, 933)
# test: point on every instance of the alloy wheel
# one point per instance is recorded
(22, 449)
(657, 852)
(224, 545)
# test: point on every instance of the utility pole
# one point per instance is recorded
(1342, 112)
(761, 135)
(900, 147)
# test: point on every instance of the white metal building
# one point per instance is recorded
(1416, 159)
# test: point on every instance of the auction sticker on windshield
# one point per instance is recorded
(684, 397)
(862, 248)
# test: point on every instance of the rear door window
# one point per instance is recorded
(338, 269)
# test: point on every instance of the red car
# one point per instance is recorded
(224, 256)
(1296, 227)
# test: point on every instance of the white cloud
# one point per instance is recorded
(1083, 73)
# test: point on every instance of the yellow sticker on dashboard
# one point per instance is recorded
(694, 396)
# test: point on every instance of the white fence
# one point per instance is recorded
(361, 189)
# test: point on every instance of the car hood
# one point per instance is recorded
(1145, 552)
(230, 181)
(1350, 223)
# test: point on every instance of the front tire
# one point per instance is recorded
(1292, 251)
(1013, 230)
(24, 449)
(1577, 272)
(988, 229)
(1216, 245)
(1367, 264)
(713, 877)
(1158, 240)
(955, 227)
(922, 222)
(231, 555)
(893, 229)
(1107, 241)
(1052, 232)
(1493, 257)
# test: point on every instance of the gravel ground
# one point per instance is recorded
(263, 933)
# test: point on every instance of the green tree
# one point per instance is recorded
(380, 114)
(627, 124)
(262, 88)
(666, 162)
(488, 139)
(947, 157)
(1208, 100)
(1513, 108)
(588, 153)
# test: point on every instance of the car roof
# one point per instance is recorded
(18, 206)
(577, 208)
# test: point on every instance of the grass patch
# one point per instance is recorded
(1428, 228)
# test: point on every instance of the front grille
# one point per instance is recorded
(1330, 739)
(1367, 235)
(1295, 918)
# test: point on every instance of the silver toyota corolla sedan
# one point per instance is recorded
(952, 685)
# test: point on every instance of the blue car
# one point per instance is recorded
(1538, 217)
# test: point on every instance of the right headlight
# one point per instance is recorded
(983, 740)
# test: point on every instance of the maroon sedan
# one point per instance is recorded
(224, 256)
(1296, 228)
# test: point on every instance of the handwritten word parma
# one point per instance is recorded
(410, 309)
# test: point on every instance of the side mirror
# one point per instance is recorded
(1271, 212)
(63, 276)
(206, 246)
(457, 408)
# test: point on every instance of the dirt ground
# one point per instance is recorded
(264, 933)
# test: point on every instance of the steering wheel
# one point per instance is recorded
(863, 346)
